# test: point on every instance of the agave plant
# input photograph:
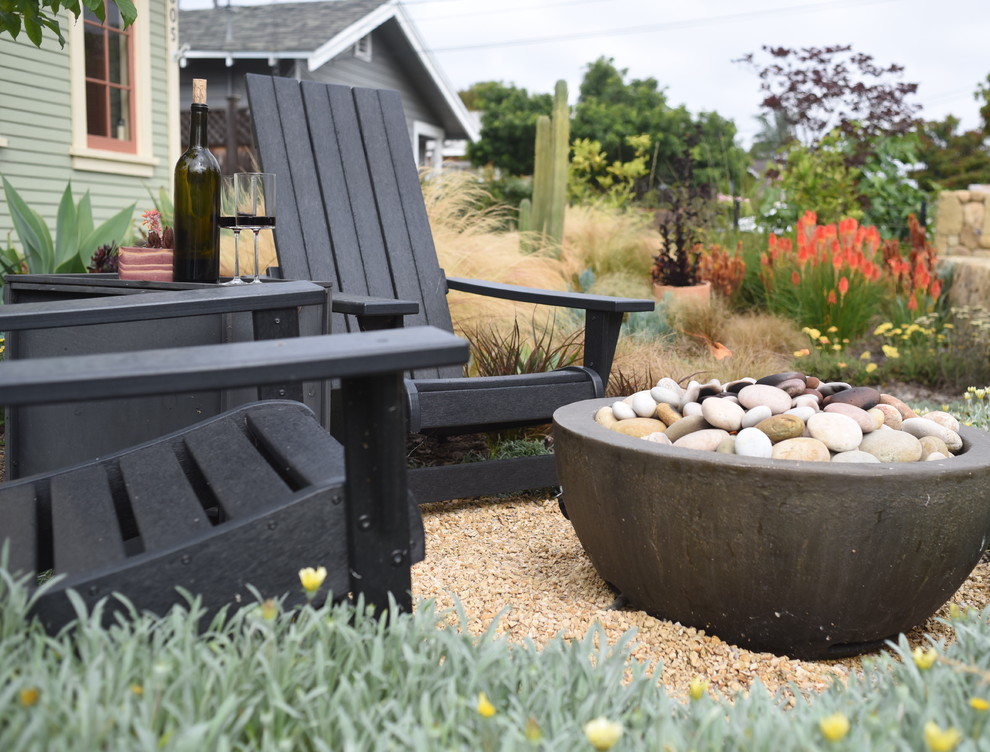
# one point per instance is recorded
(76, 238)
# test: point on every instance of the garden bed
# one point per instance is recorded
(523, 556)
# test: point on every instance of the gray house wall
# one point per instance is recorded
(35, 130)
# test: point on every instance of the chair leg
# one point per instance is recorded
(374, 427)
(601, 333)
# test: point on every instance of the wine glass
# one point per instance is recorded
(228, 220)
(255, 207)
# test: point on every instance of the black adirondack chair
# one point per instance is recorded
(247, 497)
(351, 213)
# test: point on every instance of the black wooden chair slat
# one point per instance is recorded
(299, 447)
(19, 527)
(145, 474)
(86, 532)
(230, 464)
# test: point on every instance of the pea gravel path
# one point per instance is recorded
(523, 554)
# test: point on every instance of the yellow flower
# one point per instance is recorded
(533, 732)
(802, 353)
(890, 351)
(137, 689)
(938, 739)
(311, 579)
(834, 727)
(269, 609)
(484, 707)
(813, 333)
(823, 339)
(602, 733)
(955, 612)
(871, 367)
(836, 346)
(866, 355)
(841, 364)
(883, 327)
(979, 703)
(698, 688)
(832, 329)
(29, 696)
(924, 659)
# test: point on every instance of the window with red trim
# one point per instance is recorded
(109, 81)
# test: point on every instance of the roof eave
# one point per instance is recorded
(348, 37)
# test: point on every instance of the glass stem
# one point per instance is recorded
(237, 256)
(257, 271)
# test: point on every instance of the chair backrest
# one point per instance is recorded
(350, 208)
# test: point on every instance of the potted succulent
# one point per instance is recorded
(153, 261)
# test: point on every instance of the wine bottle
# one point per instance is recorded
(197, 201)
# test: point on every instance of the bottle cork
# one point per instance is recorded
(199, 91)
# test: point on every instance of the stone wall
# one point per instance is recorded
(962, 223)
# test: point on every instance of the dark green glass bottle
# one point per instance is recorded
(197, 202)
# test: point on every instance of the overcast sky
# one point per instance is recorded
(689, 46)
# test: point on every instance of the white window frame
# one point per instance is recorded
(427, 130)
(141, 163)
(363, 49)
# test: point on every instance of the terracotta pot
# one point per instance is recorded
(150, 264)
(807, 559)
(699, 294)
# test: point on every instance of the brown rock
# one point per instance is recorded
(782, 427)
(802, 448)
(668, 414)
(905, 411)
(949, 214)
(639, 427)
(686, 425)
(860, 396)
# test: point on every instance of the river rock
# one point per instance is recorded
(782, 427)
(668, 414)
(644, 405)
(892, 446)
(935, 456)
(832, 387)
(802, 411)
(752, 442)
(864, 420)
(639, 427)
(878, 416)
(686, 425)
(812, 399)
(923, 427)
(943, 419)
(860, 396)
(622, 411)
(755, 415)
(905, 411)
(658, 437)
(776, 399)
(707, 439)
(723, 414)
(733, 387)
(776, 379)
(891, 415)
(662, 394)
(933, 445)
(691, 408)
(838, 432)
(802, 448)
(854, 455)
(726, 445)
(605, 417)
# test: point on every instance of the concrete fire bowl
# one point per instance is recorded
(806, 559)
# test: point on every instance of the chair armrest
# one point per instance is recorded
(238, 364)
(159, 305)
(364, 305)
(583, 301)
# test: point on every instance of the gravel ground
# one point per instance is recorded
(522, 556)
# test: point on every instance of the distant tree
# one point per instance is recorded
(774, 135)
(952, 159)
(34, 16)
(610, 109)
(818, 90)
(508, 125)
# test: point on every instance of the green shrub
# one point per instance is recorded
(337, 679)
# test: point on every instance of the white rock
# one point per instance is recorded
(691, 393)
(838, 432)
(622, 411)
(668, 383)
(943, 419)
(752, 442)
(691, 408)
(644, 405)
(808, 400)
(920, 427)
(658, 437)
(664, 394)
(722, 413)
(802, 411)
(854, 455)
(755, 415)
(707, 439)
(935, 456)
(776, 399)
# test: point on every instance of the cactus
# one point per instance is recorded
(550, 169)
(525, 215)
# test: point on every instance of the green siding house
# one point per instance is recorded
(101, 113)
